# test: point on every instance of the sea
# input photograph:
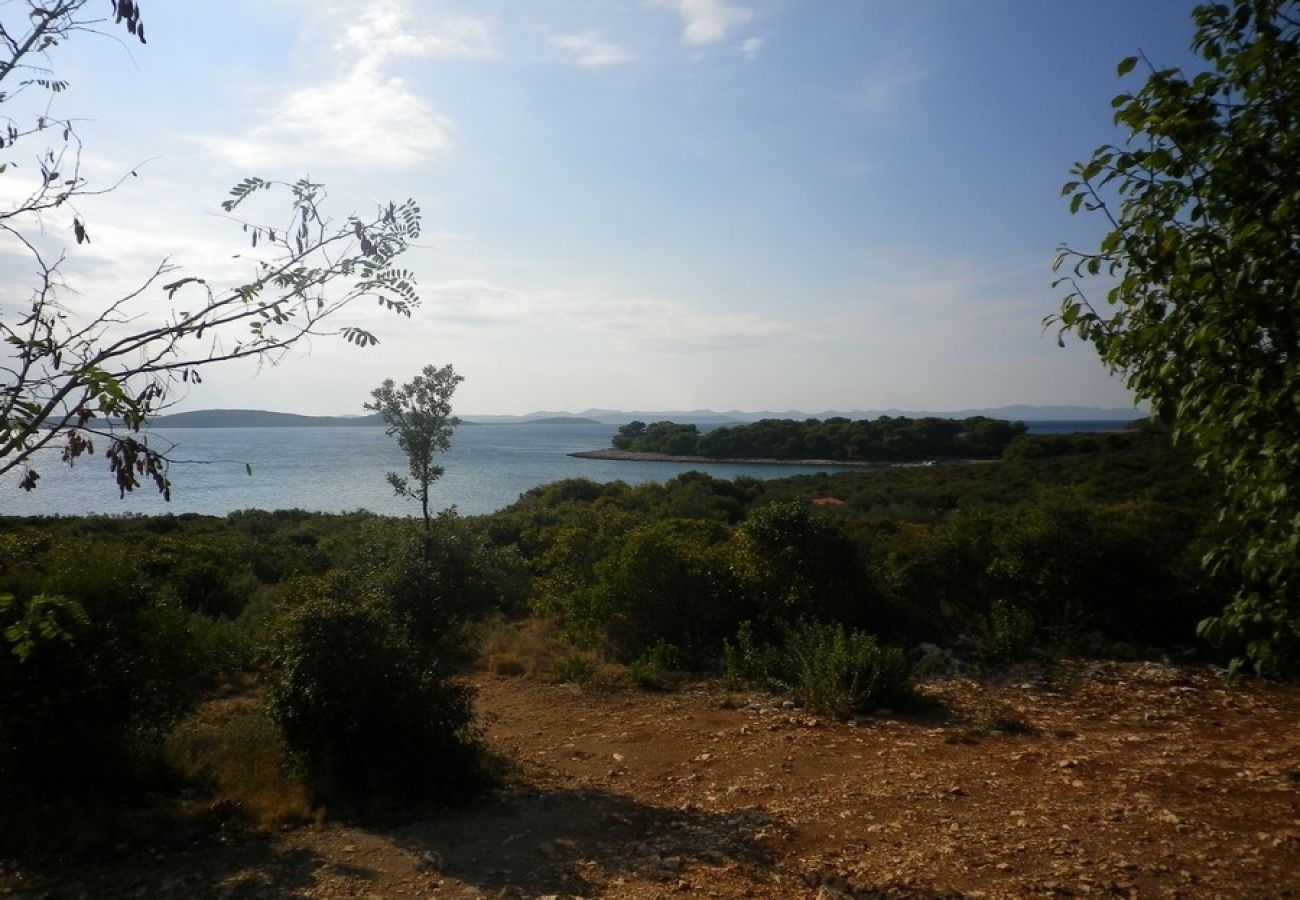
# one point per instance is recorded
(342, 469)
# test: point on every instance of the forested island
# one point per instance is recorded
(889, 439)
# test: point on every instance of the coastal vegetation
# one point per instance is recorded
(343, 636)
(271, 667)
(885, 439)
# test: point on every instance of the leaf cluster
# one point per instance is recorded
(1202, 313)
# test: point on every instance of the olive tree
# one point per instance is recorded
(1201, 314)
(419, 415)
(81, 368)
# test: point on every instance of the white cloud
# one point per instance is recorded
(750, 47)
(630, 320)
(590, 51)
(707, 21)
(364, 115)
(884, 88)
(384, 31)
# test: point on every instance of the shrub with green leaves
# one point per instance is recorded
(796, 563)
(752, 662)
(1006, 633)
(363, 708)
(1200, 271)
(840, 672)
(670, 582)
(829, 668)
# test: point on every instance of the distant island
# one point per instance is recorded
(256, 418)
(554, 420)
(885, 440)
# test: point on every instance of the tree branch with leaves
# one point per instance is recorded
(81, 374)
(1202, 313)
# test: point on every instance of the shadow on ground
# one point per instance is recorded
(529, 843)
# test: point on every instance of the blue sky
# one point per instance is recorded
(650, 204)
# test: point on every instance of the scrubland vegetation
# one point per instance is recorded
(883, 439)
(269, 665)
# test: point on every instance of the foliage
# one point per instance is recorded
(885, 439)
(364, 710)
(1006, 633)
(795, 563)
(840, 672)
(93, 670)
(751, 662)
(437, 581)
(830, 669)
(81, 375)
(667, 581)
(657, 437)
(419, 415)
(652, 670)
(1203, 205)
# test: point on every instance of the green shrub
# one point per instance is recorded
(748, 662)
(840, 672)
(89, 692)
(796, 563)
(667, 582)
(362, 708)
(830, 669)
(438, 581)
(574, 667)
(652, 670)
(1007, 633)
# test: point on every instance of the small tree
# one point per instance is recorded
(1203, 318)
(419, 415)
(80, 367)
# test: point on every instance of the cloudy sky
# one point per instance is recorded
(649, 204)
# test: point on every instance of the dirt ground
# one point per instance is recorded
(1133, 779)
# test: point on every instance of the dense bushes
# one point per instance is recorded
(93, 670)
(1005, 559)
(363, 707)
(887, 438)
(667, 582)
(112, 630)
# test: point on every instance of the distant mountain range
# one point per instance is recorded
(258, 418)
(713, 417)
(254, 418)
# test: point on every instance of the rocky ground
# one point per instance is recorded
(1091, 779)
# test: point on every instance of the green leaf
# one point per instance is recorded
(1126, 65)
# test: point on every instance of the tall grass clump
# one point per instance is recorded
(828, 668)
(840, 672)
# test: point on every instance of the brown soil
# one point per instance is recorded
(1105, 779)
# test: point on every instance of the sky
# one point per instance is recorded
(632, 204)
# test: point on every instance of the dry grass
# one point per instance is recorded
(527, 648)
(230, 746)
(535, 648)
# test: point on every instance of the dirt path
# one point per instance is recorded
(1128, 780)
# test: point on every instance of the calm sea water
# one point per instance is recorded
(342, 469)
